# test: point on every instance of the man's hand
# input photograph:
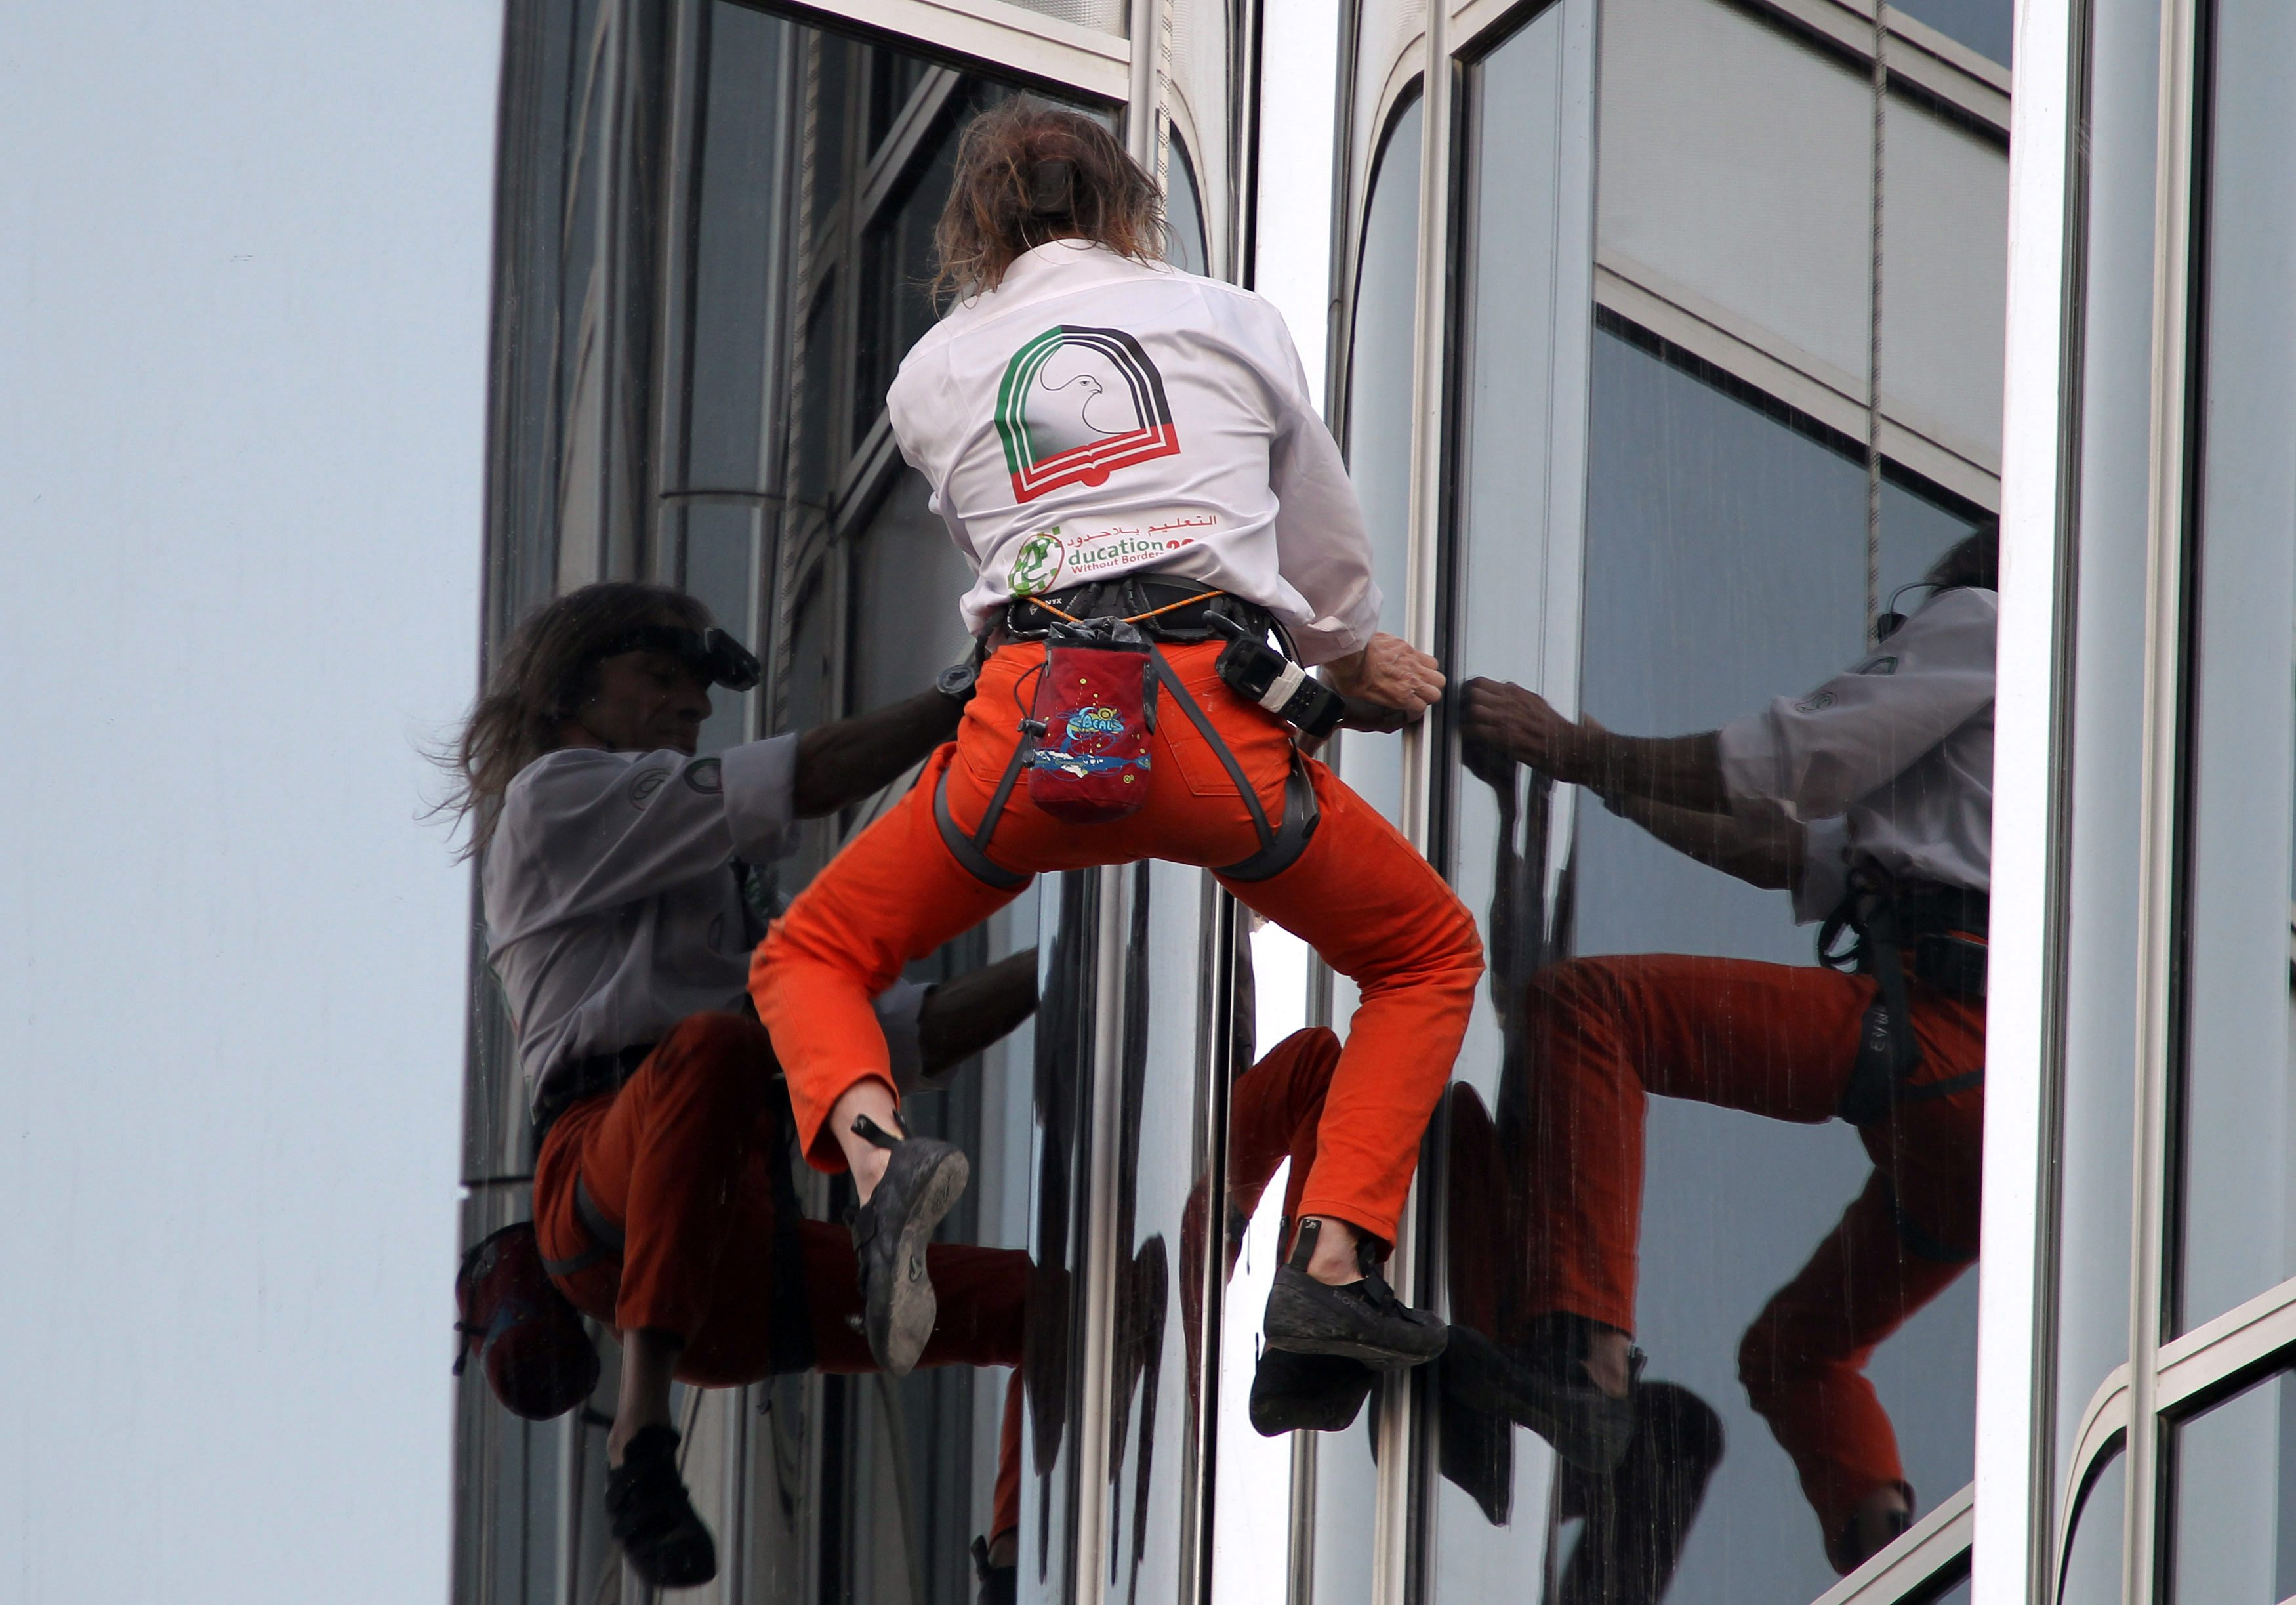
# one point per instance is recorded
(1523, 725)
(1391, 671)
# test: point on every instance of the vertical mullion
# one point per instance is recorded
(2156, 935)
(2013, 1548)
(1399, 1425)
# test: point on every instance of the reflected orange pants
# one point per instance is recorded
(1777, 1041)
(678, 1159)
(1359, 894)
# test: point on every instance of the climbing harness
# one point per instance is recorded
(1942, 928)
(1084, 743)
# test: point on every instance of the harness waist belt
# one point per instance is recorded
(1024, 620)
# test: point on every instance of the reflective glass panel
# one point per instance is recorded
(2238, 1205)
(1982, 24)
(2234, 1515)
(1500, 1502)
(1724, 575)
(2092, 1561)
(2099, 1030)
(1378, 441)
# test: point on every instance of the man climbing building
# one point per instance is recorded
(1870, 800)
(614, 870)
(1128, 457)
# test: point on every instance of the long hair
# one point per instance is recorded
(548, 670)
(1027, 173)
(1974, 560)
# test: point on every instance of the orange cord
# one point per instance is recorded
(1136, 618)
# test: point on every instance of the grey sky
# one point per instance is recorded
(242, 338)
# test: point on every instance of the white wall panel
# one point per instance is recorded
(1944, 282)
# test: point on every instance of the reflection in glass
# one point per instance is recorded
(2234, 1499)
(1982, 24)
(2092, 1564)
(1379, 415)
(2099, 1031)
(1184, 214)
(2238, 1209)
(1724, 567)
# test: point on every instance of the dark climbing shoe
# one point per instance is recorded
(1859, 1542)
(651, 1517)
(999, 1584)
(890, 1233)
(1362, 1320)
(1476, 1447)
(1545, 1387)
(1308, 1393)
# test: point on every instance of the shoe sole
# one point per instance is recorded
(911, 1309)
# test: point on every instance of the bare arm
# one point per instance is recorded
(840, 763)
(1756, 841)
(1679, 771)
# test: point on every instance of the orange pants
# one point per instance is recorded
(1360, 895)
(678, 1159)
(1778, 1040)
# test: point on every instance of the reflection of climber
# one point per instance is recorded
(1229, 506)
(1870, 800)
(614, 885)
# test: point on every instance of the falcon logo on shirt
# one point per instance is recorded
(1075, 405)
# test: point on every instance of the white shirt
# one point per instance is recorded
(612, 908)
(1891, 761)
(1095, 416)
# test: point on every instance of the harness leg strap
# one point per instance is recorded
(1280, 847)
(972, 851)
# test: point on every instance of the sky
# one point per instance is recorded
(242, 361)
(243, 314)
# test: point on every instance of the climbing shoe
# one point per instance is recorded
(1545, 1386)
(1362, 1320)
(922, 1181)
(1308, 1393)
(651, 1517)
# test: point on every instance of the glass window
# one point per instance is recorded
(2235, 1503)
(1378, 431)
(2099, 1030)
(2238, 1205)
(1724, 575)
(2091, 1565)
(1184, 214)
(1982, 24)
(1501, 1512)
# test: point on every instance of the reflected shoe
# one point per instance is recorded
(1362, 1320)
(1476, 1446)
(999, 1584)
(1547, 1388)
(922, 1181)
(1308, 1393)
(652, 1518)
(1868, 1532)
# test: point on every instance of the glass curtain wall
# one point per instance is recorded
(717, 236)
(1636, 528)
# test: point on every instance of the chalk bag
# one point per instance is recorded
(1094, 710)
(538, 1360)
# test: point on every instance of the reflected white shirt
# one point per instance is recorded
(1094, 416)
(612, 904)
(1891, 761)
